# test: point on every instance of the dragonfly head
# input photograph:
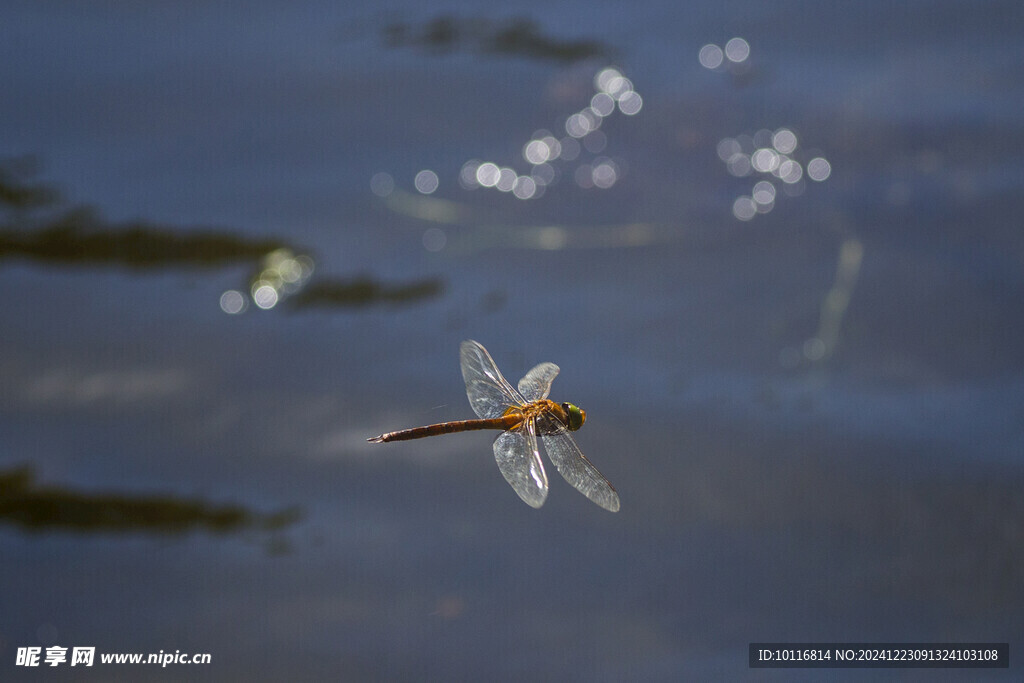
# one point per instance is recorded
(576, 416)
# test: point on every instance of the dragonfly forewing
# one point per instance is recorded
(574, 466)
(519, 461)
(490, 395)
(537, 382)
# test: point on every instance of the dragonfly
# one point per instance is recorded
(523, 416)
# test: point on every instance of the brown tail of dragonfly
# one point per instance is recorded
(506, 422)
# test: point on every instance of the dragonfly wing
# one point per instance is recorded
(537, 382)
(574, 466)
(489, 393)
(519, 462)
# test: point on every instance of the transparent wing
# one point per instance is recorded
(489, 393)
(537, 382)
(519, 462)
(574, 466)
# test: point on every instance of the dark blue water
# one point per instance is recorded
(811, 401)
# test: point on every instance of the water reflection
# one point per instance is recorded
(281, 275)
(520, 37)
(32, 507)
(837, 300)
(549, 156)
(773, 154)
(426, 208)
(822, 345)
(558, 237)
(286, 276)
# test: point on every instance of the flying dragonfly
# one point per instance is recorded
(523, 416)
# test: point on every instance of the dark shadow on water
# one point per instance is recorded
(36, 225)
(365, 291)
(35, 508)
(518, 37)
(81, 237)
(16, 193)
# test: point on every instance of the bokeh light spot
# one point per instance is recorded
(763, 193)
(426, 182)
(487, 174)
(604, 174)
(577, 125)
(233, 302)
(554, 147)
(727, 147)
(506, 180)
(543, 174)
(584, 176)
(570, 149)
(604, 77)
(434, 239)
(630, 103)
(744, 208)
(739, 165)
(536, 152)
(790, 171)
(764, 160)
(467, 176)
(711, 56)
(382, 184)
(784, 141)
(737, 50)
(819, 169)
(602, 104)
(619, 86)
(525, 187)
(814, 349)
(264, 295)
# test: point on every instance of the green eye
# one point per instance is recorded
(576, 416)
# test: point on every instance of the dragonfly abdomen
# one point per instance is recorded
(505, 422)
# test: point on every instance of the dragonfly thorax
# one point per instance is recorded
(571, 416)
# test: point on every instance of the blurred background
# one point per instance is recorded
(775, 248)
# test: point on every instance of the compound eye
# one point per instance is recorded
(576, 416)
